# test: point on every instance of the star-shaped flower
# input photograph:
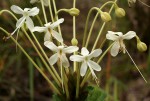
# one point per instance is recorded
(118, 38)
(60, 54)
(49, 30)
(85, 58)
(45, 2)
(27, 12)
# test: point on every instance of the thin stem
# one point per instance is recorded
(50, 71)
(50, 9)
(39, 19)
(55, 72)
(64, 77)
(37, 50)
(86, 24)
(36, 66)
(93, 23)
(136, 66)
(44, 13)
(55, 10)
(102, 28)
(144, 3)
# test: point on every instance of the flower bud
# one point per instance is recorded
(105, 16)
(74, 11)
(141, 46)
(74, 42)
(120, 12)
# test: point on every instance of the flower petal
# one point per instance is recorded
(34, 11)
(111, 36)
(129, 35)
(84, 51)
(55, 24)
(70, 49)
(77, 58)
(39, 29)
(29, 23)
(16, 9)
(47, 36)
(51, 46)
(20, 22)
(57, 36)
(53, 59)
(115, 49)
(93, 74)
(94, 65)
(95, 53)
(83, 68)
(65, 61)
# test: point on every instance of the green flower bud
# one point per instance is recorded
(141, 46)
(74, 11)
(74, 42)
(105, 16)
(120, 12)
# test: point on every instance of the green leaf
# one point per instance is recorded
(95, 94)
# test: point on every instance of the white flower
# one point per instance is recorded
(85, 58)
(60, 54)
(118, 38)
(27, 12)
(45, 2)
(49, 30)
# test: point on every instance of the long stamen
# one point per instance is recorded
(136, 66)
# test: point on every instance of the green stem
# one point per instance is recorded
(39, 19)
(36, 66)
(50, 9)
(37, 50)
(43, 52)
(55, 10)
(44, 13)
(64, 77)
(103, 25)
(93, 23)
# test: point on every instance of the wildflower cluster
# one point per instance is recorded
(79, 64)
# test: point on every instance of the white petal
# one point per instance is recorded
(115, 49)
(45, 2)
(111, 36)
(65, 61)
(16, 9)
(84, 51)
(29, 23)
(93, 74)
(57, 36)
(53, 59)
(34, 11)
(51, 46)
(39, 29)
(129, 35)
(77, 58)
(47, 36)
(119, 33)
(94, 65)
(47, 24)
(20, 22)
(70, 49)
(83, 69)
(55, 24)
(95, 53)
